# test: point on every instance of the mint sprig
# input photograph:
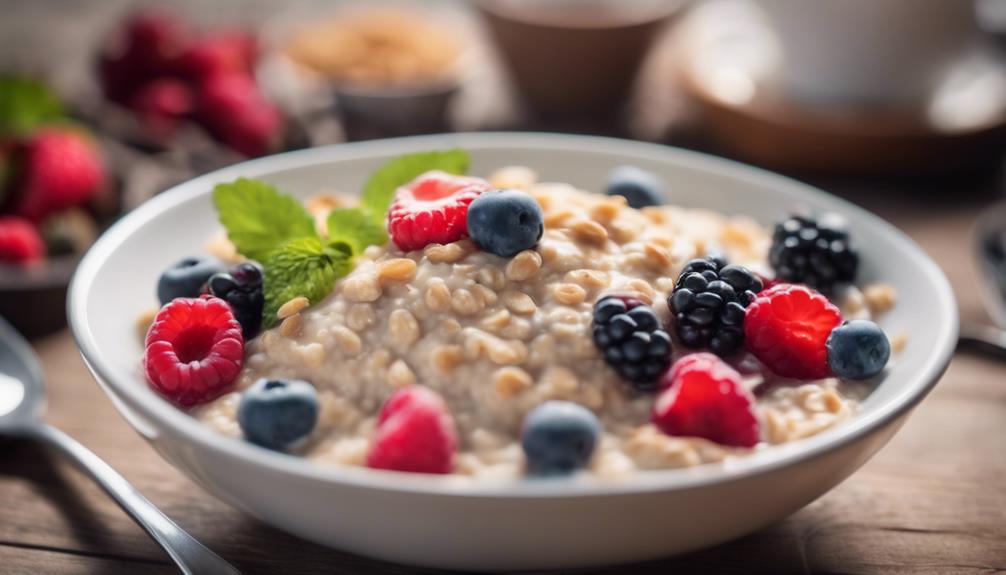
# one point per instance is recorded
(275, 229)
(301, 267)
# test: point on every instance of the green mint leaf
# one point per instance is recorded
(355, 228)
(258, 218)
(380, 188)
(301, 267)
(25, 104)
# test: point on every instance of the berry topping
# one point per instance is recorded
(432, 208)
(505, 222)
(639, 187)
(415, 433)
(858, 349)
(815, 252)
(709, 302)
(59, 168)
(242, 289)
(187, 278)
(277, 414)
(559, 437)
(194, 350)
(20, 242)
(705, 397)
(630, 338)
(787, 327)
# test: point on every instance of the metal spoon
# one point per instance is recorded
(990, 248)
(22, 401)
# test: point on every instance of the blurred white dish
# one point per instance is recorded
(454, 522)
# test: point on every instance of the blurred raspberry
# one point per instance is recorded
(217, 54)
(145, 47)
(161, 105)
(237, 113)
(58, 168)
(20, 242)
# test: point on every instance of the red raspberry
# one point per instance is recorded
(145, 47)
(20, 242)
(787, 328)
(59, 168)
(194, 350)
(704, 397)
(237, 113)
(432, 208)
(415, 433)
(221, 52)
(161, 104)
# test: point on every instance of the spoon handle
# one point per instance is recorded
(190, 555)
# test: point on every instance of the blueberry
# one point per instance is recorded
(187, 278)
(241, 287)
(639, 187)
(559, 437)
(276, 414)
(858, 349)
(505, 222)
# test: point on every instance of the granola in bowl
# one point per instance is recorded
(502, 327)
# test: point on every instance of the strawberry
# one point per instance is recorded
(234, 110)
(59, 168)
(415, 433)
(705, 397)
(432, 208)
(194, 350)
(787, 329)
(161, 105)
(20, 242)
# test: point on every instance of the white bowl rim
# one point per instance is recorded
(164, 414)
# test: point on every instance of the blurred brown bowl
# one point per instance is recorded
(579, 65)
(33, 298)
(384, 112)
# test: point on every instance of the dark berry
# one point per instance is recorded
(631, 340)
(639, 187)
(559, 437)
(709, 301)
(505, 222)
(187, 278)
(241, 287)
(858, 349)
(814, 252)
(276, 414)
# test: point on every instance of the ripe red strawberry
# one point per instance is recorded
(704, 397)
(237, 113)
(59, 168)
(223, 52)
(787, 328)
(20, 242)
(145, 47)
(415, 433)
(432, 208)
(194, 350)
(161, 105)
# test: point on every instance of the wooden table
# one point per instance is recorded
(933, 501)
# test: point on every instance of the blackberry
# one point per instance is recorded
(241, 287)
(709, 303)
(813, 252)
(630, 338)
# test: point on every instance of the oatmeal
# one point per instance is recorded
(495, 337)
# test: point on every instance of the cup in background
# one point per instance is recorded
(869, 52)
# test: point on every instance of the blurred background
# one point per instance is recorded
(143, 95)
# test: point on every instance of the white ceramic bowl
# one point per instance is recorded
(454, 522)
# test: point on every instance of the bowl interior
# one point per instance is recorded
(116, 281)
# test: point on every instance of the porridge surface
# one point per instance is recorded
(496, 337)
